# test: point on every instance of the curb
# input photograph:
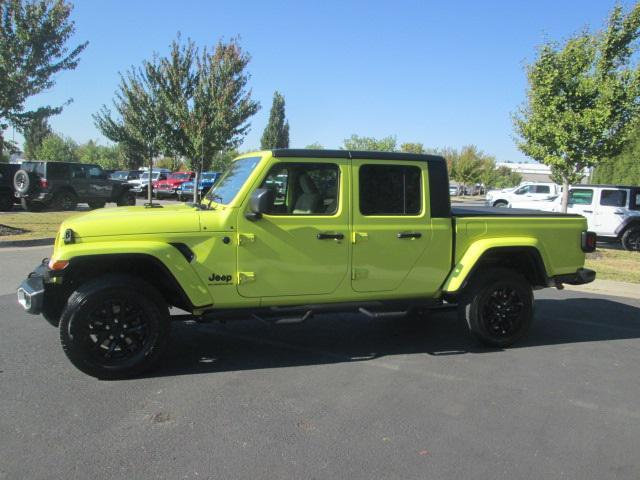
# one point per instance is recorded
(36, 242)
(608, 287)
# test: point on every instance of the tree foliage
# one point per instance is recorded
(192, 104)
(33, 48)
(35, 131)
(276, 133)
(582, 98)
(624, 168)
(413, 148)
(371, 144)
(56, 148)
(315, 146)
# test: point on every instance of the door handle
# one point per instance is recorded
(330, 236)
(409, 235)
(588, 211)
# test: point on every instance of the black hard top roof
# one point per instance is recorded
(353, 154)
(599, 185)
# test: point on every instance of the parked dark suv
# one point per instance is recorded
(61, 185)
(7, 197)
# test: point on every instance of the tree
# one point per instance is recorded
(468, 165)
(106, 157)
(131, 149)
(413, 148)
(33, 49)
(276, 133)
(56, 148)
(34, 133)
(582, 99)
(215, 118)
(314, 146)
(623, 168)
(355, 142)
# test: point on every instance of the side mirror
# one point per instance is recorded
(260, 202)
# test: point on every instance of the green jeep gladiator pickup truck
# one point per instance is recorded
(293, 233)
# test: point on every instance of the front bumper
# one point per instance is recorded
(32, 290)
(580, 277)
(164, 191)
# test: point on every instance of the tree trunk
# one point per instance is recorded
(565, 194)
(196, 179)
(150, 183)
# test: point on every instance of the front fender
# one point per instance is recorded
(476, 250)
(168, 255)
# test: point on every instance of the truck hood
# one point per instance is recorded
(134, 221)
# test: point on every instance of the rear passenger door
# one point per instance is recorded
(391, 228)
(99, 186)
(610, 212)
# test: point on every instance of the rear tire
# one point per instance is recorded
(65, 200)
(115, 327)
(631, 239)
(501, 203)
(497, 307)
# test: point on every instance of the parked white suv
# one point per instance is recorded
(612, 211)
(522, 195)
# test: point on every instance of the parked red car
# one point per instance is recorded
(167, 187)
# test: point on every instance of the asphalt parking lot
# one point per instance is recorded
(340, 396)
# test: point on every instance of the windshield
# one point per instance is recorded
(119, 175)
(208, 176)
(145, 176)
(232, 180)
(179, 176)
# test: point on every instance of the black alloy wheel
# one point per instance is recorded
(631, 239)
(502, 312)
(115, 327)
(497, 306)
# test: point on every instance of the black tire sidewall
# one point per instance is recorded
(59, 200)
(627, 236)
(471, 305)
(74, 320)
(96, 205)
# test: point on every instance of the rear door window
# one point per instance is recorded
(613, 198)
(390, 190)
(634, 204)
(57, 171)
(581, 196)
(543, 189)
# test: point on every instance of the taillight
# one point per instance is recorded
(44, 183)
(588, 242)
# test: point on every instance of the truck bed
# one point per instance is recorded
(504, 212)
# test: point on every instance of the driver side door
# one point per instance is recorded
(301, 245)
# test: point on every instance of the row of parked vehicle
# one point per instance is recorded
(165, 183)
(38, 185)
(612, 211)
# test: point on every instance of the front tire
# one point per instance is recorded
(501, 204)
(497, 307)
(115, 327)
(631, 239)
(127, 199)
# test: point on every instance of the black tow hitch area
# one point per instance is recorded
(588, 242)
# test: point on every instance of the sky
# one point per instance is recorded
(442, 73)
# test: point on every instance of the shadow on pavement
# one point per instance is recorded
(325, 339)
